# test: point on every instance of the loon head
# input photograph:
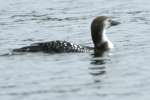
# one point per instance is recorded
(98, 28)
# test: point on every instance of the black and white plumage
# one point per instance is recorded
(98, 28)
(54, 47)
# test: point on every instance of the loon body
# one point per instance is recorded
(100, 40)
(54, 47)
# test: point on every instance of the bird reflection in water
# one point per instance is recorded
(99, 61)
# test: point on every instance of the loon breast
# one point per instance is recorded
(54, 47)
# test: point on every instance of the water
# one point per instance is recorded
(123, 74)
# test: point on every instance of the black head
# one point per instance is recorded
(98, 27)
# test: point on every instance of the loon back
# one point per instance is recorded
(54, 47)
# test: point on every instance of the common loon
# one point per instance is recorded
(100, 40)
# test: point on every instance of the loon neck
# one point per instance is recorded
(104, 36)
(104, 42)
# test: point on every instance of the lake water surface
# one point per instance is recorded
(123, 74)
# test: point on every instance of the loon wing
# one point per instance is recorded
(53, 47)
